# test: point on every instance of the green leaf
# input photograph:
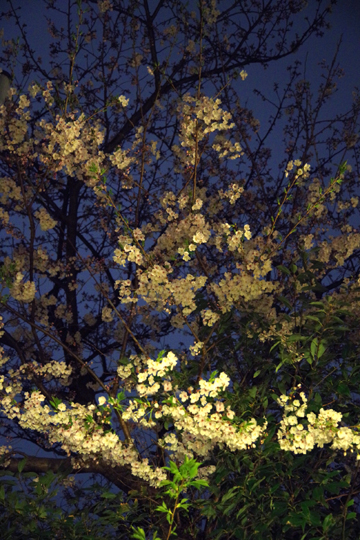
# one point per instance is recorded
(173, 467)
(275, 487)
(256, 484)
(322, 348)
(295, 337)
(230, 494)
(312, 318)
(297, 519)
(252, 392)
(337, 319)
(55, 402)
(139, 534)
(343, 389)
(285, 301)
(163, 508)
(314, 518)
(242, 510)
(313, 347)
(21, 464)
(275, 345)
(199, 483)
(108, 495)
(256, 373)
(328, 521)
(284, 270)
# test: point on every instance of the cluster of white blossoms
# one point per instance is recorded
(201, 424)
(233, 193)
(198, 119)
(302, 172)
(14, 130)
(201, 419)
(127, 250)
(155, 369)
(5, 454)
(107, 314)
(71, 146)
(235, 240)
(53, 369)
(68, 426)
(242, 285)
(196, 348)
(124, 288)
(209, 318)
(124, 371)
(46, 222)
(322, 429)
(156, 288)
(313, 194)
(213, 387)
(24, 292)
(9, 190)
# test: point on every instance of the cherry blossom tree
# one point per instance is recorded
(180, 320)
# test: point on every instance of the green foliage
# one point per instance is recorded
(39, 507)
(268, 494)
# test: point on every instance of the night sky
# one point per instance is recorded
(345, 27)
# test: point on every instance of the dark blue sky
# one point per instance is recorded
(345, 25)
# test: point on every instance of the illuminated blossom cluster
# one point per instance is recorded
(69, 144)
(300, 172)
(127, 250)
(155, 369)
(201, 424)
(24, 292)
(241, 285)
(69, 426)
(53, 369)
(300, 437)
(209, 318)
(233, 193)
(200, 118)
(14, 129)
(46, 222)
(156, 288)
